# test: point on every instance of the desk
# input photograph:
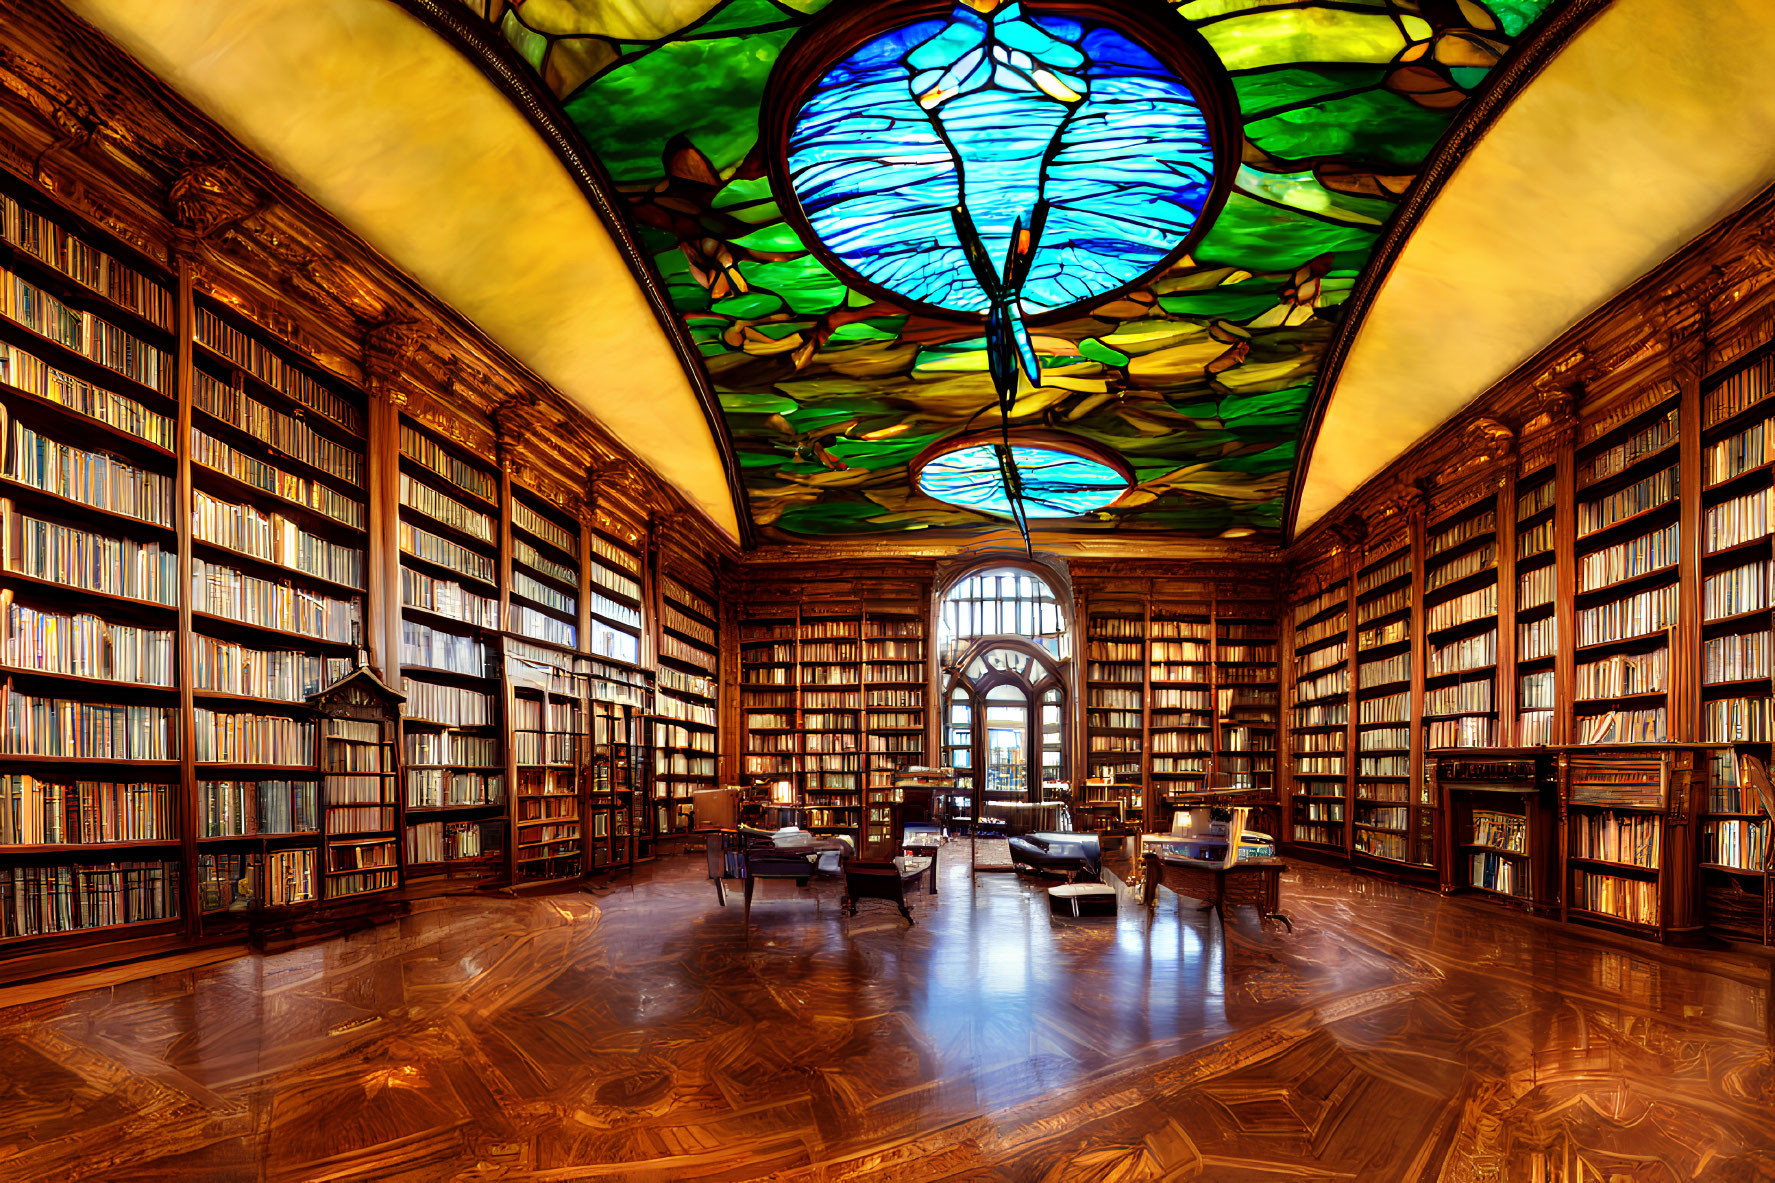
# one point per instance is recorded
(1257, 882)
(886, 880)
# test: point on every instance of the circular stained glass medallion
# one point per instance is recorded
(1055, 479)
(1075, 148)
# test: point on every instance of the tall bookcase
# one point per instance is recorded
(1738, 456)
(893, 722)
(1181, 707)
(95, 829)
(1320, 719)
(1461, 627)
(1116, 692)
(832, 703)
(684, 739)
(1390, 820)
(1246, 688)
(454, 725)
(1628, 478)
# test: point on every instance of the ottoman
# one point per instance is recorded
(1082, 899)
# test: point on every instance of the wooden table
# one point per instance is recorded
(1257, 882)
(926, 850)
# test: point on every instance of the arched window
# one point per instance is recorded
(1000, 602)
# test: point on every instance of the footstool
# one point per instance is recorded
(1082, 899)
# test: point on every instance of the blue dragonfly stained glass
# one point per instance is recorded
(1052, 483)
(946, 157)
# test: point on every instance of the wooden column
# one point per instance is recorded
(386, 347)
(1685, 717)
(185, 259)
(1565, 579)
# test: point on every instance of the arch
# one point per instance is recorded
(955, 630)
(519, 248)
(1622, 133)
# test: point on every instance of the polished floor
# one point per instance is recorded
(631, 1034)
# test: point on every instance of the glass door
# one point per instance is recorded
(1005, 759)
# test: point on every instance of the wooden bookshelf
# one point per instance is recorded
(686, 731)
(896, 681)
(1502, 826)
(457, 780)
(1391, 821)
(1318, 813)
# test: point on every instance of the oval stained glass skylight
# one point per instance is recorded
(1065, 132)
(1055, 483)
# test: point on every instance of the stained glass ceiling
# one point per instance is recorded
(1198, 378)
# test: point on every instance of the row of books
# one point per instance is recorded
(1466, 653)
(232, 737)
(445, 597)
(275, 539)
(35, 812)
(451, 706)
(1326, 685)
(432, 648)
(1740, 843)
(1331, 626)
(84, 263)
(1378, 844)
(1537, 691)
(1641, 725)
(1384, 738)
(1537, 638)
(1535, 588)
(1384, 672)
(1462, 609)
(1634, 900)
(1384, 605)
(1534, 727)
(446, 842)
(79, 558)
(1385, 709)
(1383, 766)
(1172, 672)
(1501, 831)
(1624, 673)
(1468, 731)
(1463, 531)
(1735, 592)
(679, 649)
(86, 646)
(529, 556)
(1535, 540)
(85, 333)
(31, 374)
(1495, 872)
(451, 749)
(91, 478)
(453, 556)
(38, 726)
(441, 507)
(899, 672)
(550, 531)
(1631, 838)
(1737, 392)
(1626, 560)
(1322, 714)
(1637, 615)
(220, 590)
(614, 581)
(1735, 657)
(1470, 562)
(211, 453)
(1653, 437)
(35, 900)
(1390, 633)
(1648, 493)
(1751, 448)
(423, 451)
(1394, 568)
(1733, 522)
(287, 675)
(1462, 698)
(440, 787)
(1389, 791)
(286, 433)
(542, 627)
(1734, 720)
(269, 367)
(239, 808)
(1322, 658)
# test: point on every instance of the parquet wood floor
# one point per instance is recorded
(628, 1034)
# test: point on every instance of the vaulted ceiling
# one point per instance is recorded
(587, 181)
(1199, 378)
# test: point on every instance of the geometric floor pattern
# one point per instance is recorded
(631, 1034)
